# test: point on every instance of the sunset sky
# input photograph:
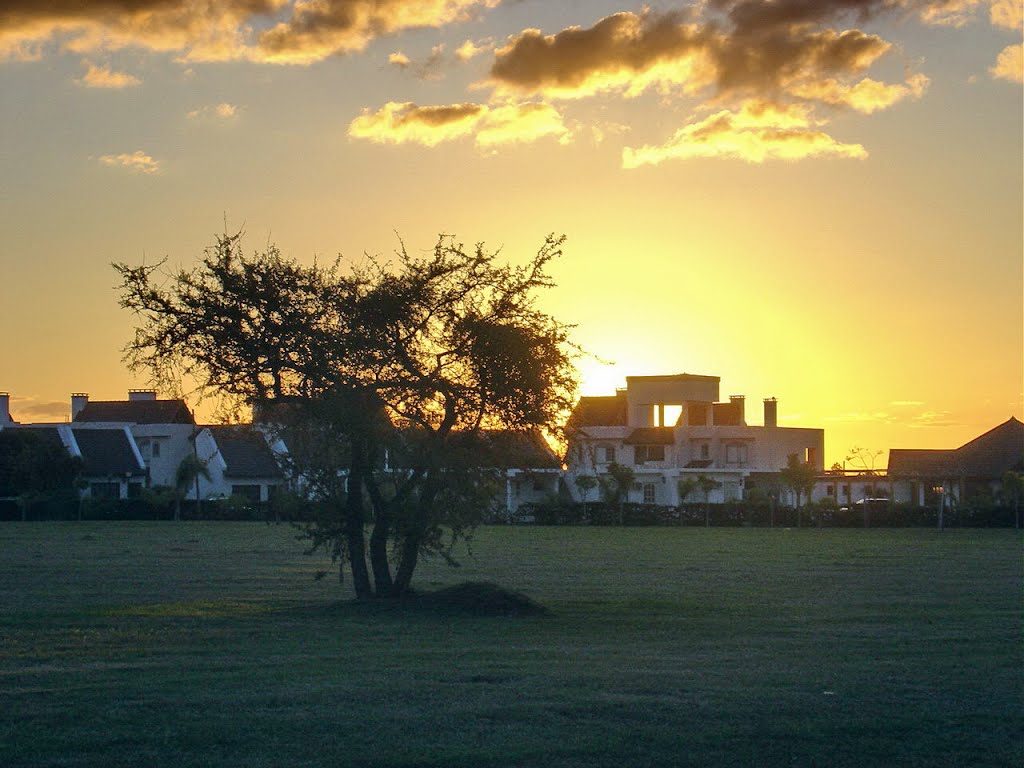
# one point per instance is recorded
(817, 200)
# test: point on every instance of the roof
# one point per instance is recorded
(136, 412)
(651, 436)
(507, 449)
(107, 452)
(994, 453)
(989, 455)
(601, 411)
(245, 452)
(920, 461)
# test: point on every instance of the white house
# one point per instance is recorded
(669, 429)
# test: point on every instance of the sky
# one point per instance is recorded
(816, 200)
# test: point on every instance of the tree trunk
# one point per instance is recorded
(355, 536)
(379, 539)
(407, 565)
(412, 540)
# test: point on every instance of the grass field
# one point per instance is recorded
(210, 644)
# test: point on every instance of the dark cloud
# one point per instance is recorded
(305, 30)
(615, 51)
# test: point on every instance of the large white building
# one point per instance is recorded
(669, 429)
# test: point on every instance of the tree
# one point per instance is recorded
(707, 485)
(1011, 491)
(799, 477)
(187, 476)
(409, 358)
(616, 485)
(35, 464)
(585, 484)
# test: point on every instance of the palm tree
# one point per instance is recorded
(707, 485)
(684, 488)
(186, 476)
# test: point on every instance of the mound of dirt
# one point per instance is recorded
(480, 598)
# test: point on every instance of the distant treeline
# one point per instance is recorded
(731, 514)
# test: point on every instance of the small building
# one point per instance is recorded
(924, 476)
(240, 462)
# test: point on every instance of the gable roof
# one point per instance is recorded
(107, 452)
(600, 411)
(989, 455)
(999, 450)
(245, 452)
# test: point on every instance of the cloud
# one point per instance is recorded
(469, 49)
(27, 409)
(318, 29)
(861, 416)
(759, 131)
(407, 123)
(1010, 64)
(634, 52)
(203, 30)
(864, 96)
(104, 77)
(521, 123)
(403, 123)
(137, 162)
(277, 31)
(222, 111)
(428, 69)
(1008, 14)
(626, 52)
(399, 59)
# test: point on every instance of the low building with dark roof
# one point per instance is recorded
(240, 461)
(921, 476)
(111, 465)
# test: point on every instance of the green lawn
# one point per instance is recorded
(210, 644)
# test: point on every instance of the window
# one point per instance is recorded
(645, 453)
(538, 483)
(830, 490)
(154, 449)
(606, 453)
(650, 493)
(736, 454)
(705, 451)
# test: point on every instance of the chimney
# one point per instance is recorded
(5, 409)
(740, 402)
(78, 401)
(771, 412)
(141, 395)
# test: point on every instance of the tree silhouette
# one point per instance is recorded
(404, 357)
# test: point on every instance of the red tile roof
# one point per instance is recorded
(136, 412)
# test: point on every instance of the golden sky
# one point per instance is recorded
(817, 201)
